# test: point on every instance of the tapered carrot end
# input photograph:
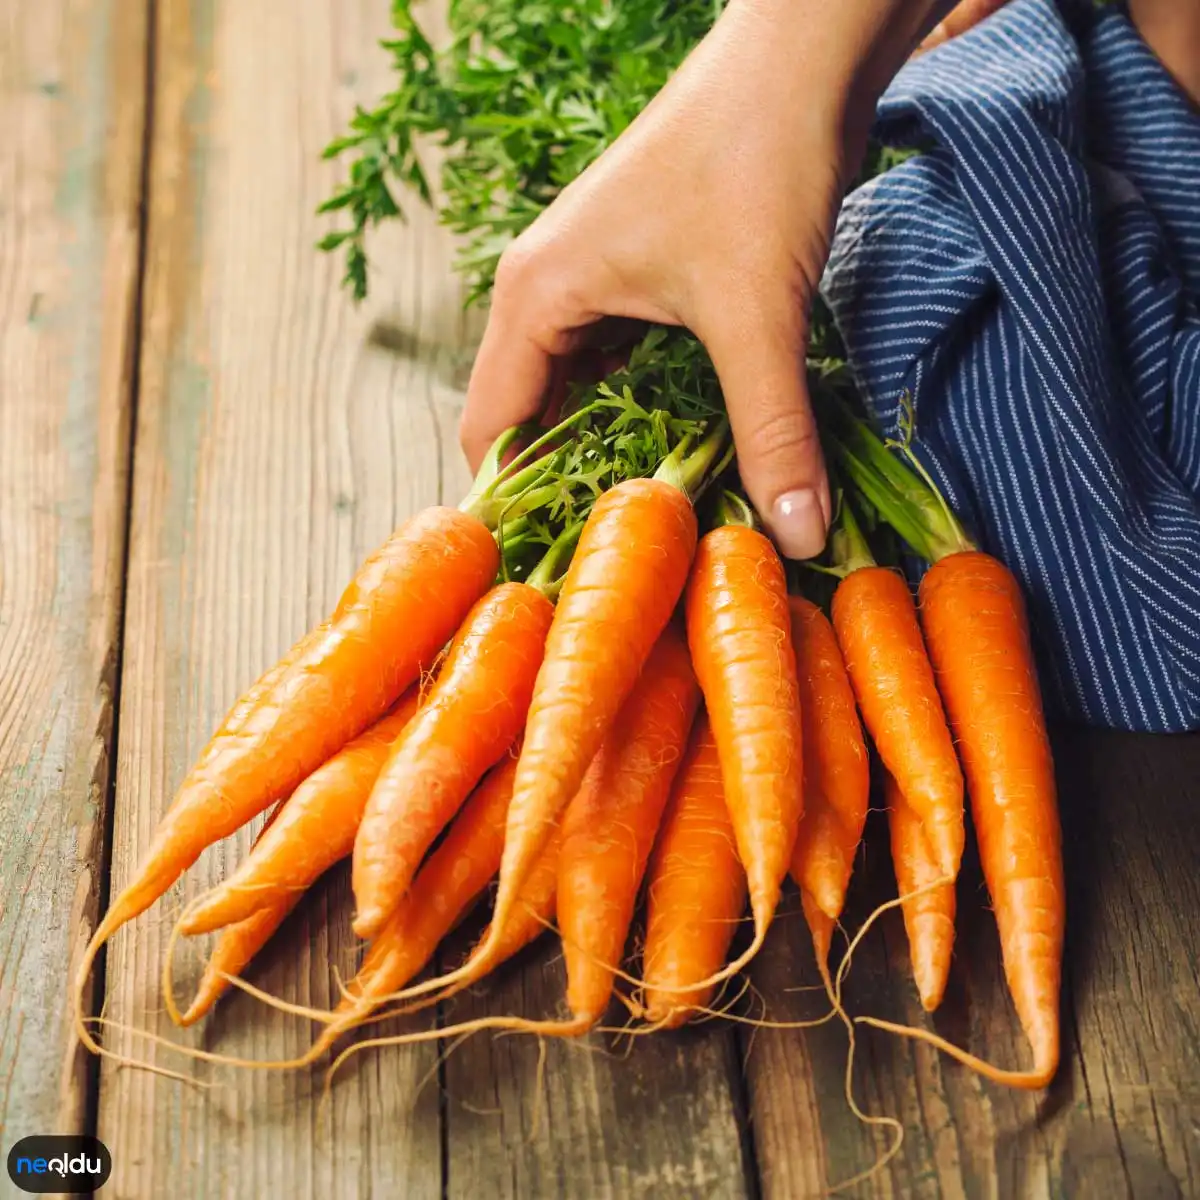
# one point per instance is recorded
(589, 985)
(206, 917)
(213, 985)
(930, 987)
(931, 946)
(368, 922)
(820, 925)
(670, 1012)
(209, 992)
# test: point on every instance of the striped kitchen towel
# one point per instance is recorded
(1032, 279)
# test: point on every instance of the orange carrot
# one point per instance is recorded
(978, 633)
(398, 613)
(397, 959)
(315, 829)
(877, 629)
(610, 825)
(837, 774)
(237, 945)
(626, 576)
(696, 890)
(532, 911)
(472, 716)
(929, 916)
(235, 948)
(532, 915)
(740, 634)
(445, 887)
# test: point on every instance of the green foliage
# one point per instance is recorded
(665, 402)
(525, 96)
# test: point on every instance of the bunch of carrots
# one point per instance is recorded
(590, 684)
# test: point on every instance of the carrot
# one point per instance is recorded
(740, 634)
(401, 608)
(448, 884)
(977, 631)
(877, 628)
(445, 887)
(928, 915)
(235, 949)
(837, 776)
(623, 582)
(610, 825)
(237, 945)
(533, 910)
(696, 890)
(472, 716)
(315, 829)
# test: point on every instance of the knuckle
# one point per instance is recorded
(782, 434)
(518, 264)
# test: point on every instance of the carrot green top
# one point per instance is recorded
(537, 503)
(895, 486)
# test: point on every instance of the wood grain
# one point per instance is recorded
(599, 1118)
(1121, 1119)
(281, 435)
(71, 108)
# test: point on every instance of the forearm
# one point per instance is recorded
(1171, 28)
(845, 51)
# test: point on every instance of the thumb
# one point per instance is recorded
(775, 432)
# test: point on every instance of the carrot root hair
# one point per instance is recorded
(1032, 1080)
(541, 1029)
(822, 929)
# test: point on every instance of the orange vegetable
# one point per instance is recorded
(455, 876)
(626, 576)
(877, 629)
(837, 773)
(472, 715)
(236, 946)
(315, 829)
(610, 825)
(740, 634)
(978, 633)
(399, 611)
(978, 637)
(928, 917)
(696, 889)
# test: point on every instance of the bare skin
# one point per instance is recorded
(714, 210)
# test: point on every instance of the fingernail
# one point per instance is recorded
(799, 524)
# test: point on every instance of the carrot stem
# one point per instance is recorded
(906, 498)
(548, 575)
(732, 509)
(692, 470)
(848, 545)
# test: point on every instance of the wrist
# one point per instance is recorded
(845, 52)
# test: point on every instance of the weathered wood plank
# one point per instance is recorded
(71, 108)
(1122, 1118)
(281, 435)
(598, 1119)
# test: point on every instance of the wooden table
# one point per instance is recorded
(200, 437)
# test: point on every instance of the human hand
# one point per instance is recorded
(714, 211)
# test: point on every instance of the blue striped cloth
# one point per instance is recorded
(1032, 280)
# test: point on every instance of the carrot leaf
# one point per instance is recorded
(906, 499)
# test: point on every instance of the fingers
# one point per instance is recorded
(775, 432)
(508, 386)
(962, 17)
